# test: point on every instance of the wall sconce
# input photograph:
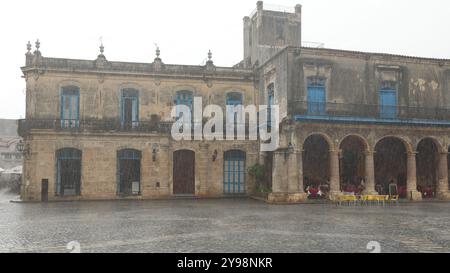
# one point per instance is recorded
(214, 156)
(288, 151)
(154, 152)
(23, 148)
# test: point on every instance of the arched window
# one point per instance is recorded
(233, 99)
(129, 172)
(129, 108)
(70, 105)
(234, 172)
(270, 103)
(184, 97)
(316, 96)
(388, 100)
(68, 174)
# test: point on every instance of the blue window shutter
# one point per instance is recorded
(316, 100)
(388, 101)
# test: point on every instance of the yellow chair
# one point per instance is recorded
(393, 198)
(349, 199)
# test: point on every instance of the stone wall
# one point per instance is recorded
(99, 164)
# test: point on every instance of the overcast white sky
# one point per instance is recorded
(185, 30)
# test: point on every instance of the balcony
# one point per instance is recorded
(25, 126)
(92, 125)
(368, 113)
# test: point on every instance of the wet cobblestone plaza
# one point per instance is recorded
(224, 225)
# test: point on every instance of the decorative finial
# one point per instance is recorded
(29, 47)
(38, 44)
(209, 55)
(158, 52)
(102, 48)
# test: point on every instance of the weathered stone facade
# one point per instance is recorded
(344, 113)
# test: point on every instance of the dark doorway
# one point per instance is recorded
(44, 190)
(129, 167)
(352, 164)
(427, 167)
(390, 165)
(316, 161)
(68, 172)
(184, 172)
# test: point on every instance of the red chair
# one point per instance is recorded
(427, 192)
(313, 193)
(402, 192)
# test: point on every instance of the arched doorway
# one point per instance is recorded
(391, 165)
(316, 161)
(234, 172)
(68, 169)
(352, 164)
(129, 172)
(427, 167)
(184, 172)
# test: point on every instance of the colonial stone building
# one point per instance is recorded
(100, 129)
(9, 156)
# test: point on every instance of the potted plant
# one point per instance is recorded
(258, 171)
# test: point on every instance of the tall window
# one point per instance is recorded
(316, 96)
(185, 98)
(129, 108)
(129, 172)
(233, 99)
(388, 100)
(234, 172)
(270, 103)
(68, 176)
(70, 105)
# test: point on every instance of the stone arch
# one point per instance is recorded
(440, 147)
(407, 143)
(324, 135)
(363, 140)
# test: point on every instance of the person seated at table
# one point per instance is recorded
(362, 186)
(312, 192)
(379, 188)
(402, 192)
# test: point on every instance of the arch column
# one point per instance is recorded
(299, 168)
(411, 186)
(442, 186)
(334, 173)
(370, 173)
(279, 172)
(203, 167)
(295, 175)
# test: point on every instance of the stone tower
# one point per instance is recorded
(266, 32)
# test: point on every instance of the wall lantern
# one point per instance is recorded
(289, 150)
(23, 148)
(154, 152)
(214, 156)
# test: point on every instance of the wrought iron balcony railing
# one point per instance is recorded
(113, 126)
(92, 125)
(376, 112)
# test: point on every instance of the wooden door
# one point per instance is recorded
(184, 172)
